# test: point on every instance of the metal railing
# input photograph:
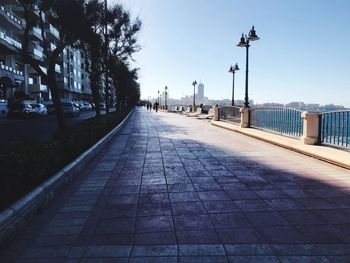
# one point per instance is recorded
(335, 128)
(230, 114)
(10, 40)
(277, 119)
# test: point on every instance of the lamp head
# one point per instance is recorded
(252, 35)
(235, 67)
(242, 42)
(230, 69)
(194, 83)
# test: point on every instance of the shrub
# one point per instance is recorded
(24, 165)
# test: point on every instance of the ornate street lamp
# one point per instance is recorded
(233, 70)
(160, 100)
(244, 42)
(158, 97)
(194, 83)
(166, 97)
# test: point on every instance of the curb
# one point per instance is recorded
(313, 151)
(14, 218)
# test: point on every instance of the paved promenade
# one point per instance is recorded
(170, 188)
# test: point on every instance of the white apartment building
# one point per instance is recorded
(74, 81)
(12, 70)
(18, 80)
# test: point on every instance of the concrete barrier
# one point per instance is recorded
(14, 218)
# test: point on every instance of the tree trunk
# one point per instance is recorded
(95, 93)
(106, 95)
(56, 98)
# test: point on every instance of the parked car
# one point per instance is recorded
(20, 109)
(39, 109)
(70, 110)
(82, 106)
(87, 106)
(76, 105)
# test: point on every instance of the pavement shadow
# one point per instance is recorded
(150, 197)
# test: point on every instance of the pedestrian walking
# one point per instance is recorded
(156, 104)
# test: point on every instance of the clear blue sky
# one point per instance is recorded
(303, 53)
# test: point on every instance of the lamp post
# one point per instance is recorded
(233, 71)
(166, 97)
(194, 83)
(158, 97)
(160, 100)
(244, 42)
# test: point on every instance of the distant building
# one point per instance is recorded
(200, 94)
(74, 81)
(272, 104)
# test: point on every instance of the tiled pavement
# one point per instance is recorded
(170, 188)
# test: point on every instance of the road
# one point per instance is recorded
(36, 129)
(170, 188)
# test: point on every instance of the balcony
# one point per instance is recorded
(10, 20)
(32, 71)
(37, 53)
(35, 88)
(35, 34)
(52, 46)
(52, 32)
(9, 45)
(43, 69)
(58, 68)
(18, 9)
(11, 72)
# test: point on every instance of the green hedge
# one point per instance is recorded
(23, 166)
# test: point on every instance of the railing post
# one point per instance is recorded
(244, 117)
(311, 130)
(216, 112)
(319, 142)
